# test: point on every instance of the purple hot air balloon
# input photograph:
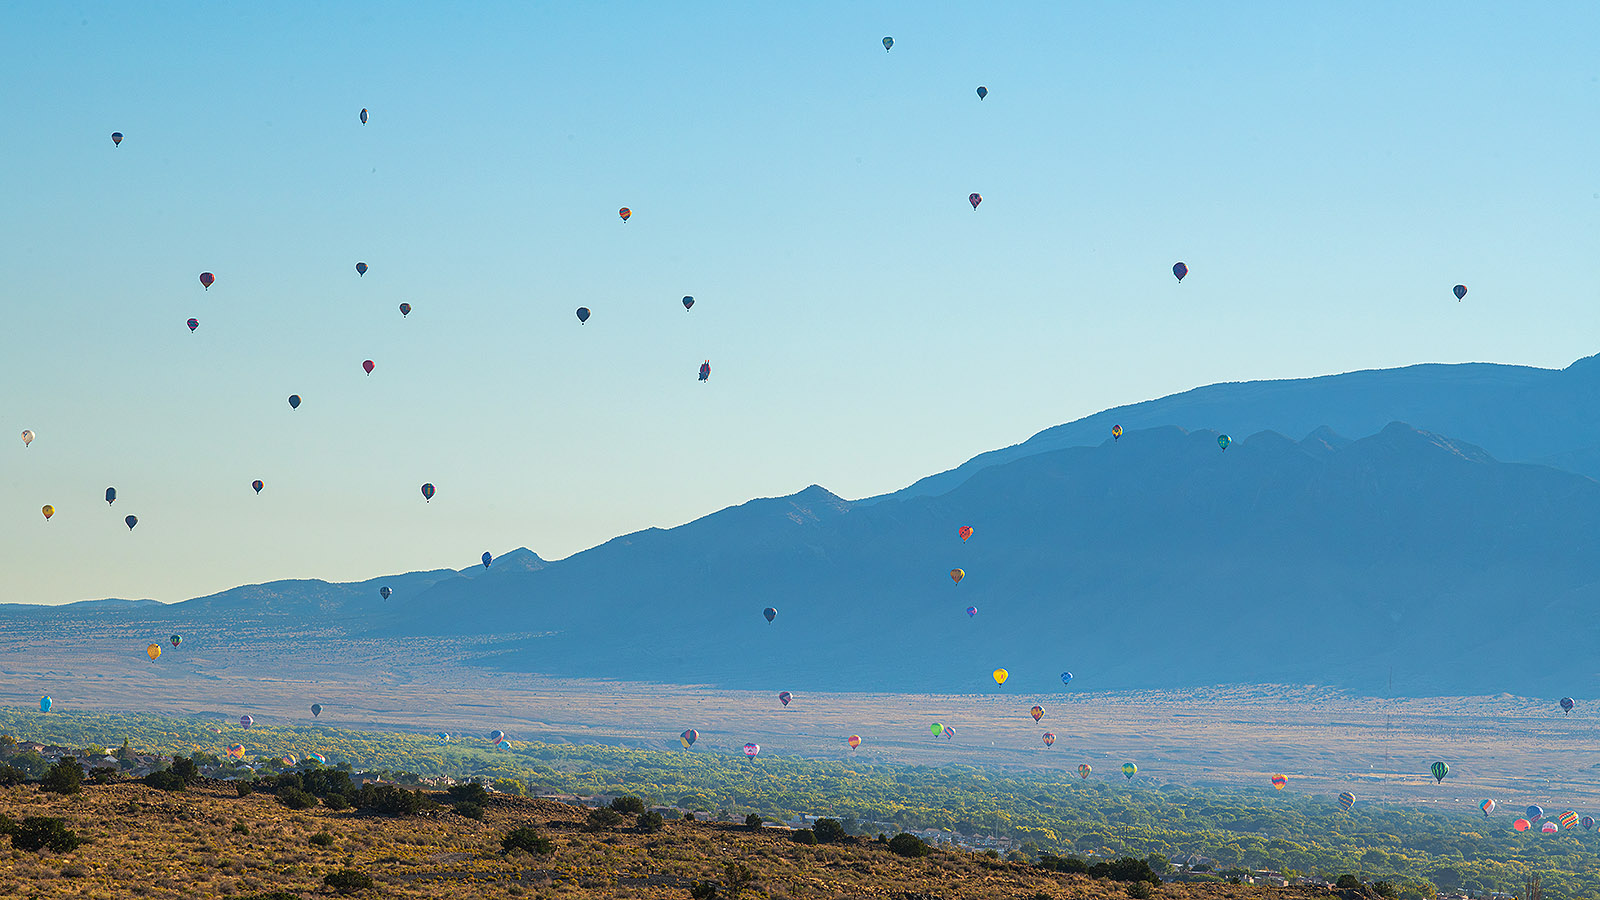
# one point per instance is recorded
(1180, 270)
(246, 721)
(785, 697)
(974, 199)
(208, 279)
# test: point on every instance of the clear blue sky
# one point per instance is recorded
(1328, 172)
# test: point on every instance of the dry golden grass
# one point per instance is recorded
(144, 843)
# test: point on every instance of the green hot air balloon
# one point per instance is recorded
(1129, 770)
(936, 728)
(1440, 770)
(1223, 441)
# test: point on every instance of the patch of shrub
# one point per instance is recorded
(628, 805)
(65, 777)
(324, 782)
(528, 841)
(388, 800)
(103, 775)
(322, 839)
(348, 881)
(803, 836)
(43, 832)
(1125, 869)
(688, 817)
(294, 798)
(602, 818)
(510, 786)
(736, 876)
(908, 845)
(1140, 890)
(11, 776)
(703, 890)
(244, 787)
(240, 828)
(650, 822)
(336, 801)
(471, 792)
(1069, 864)
(753, 821)
(8, 825)
(273, 895)
(829, 831)
(184, 767)
(1386, 889)
(470, 810)
(1347, 882)
(164, 780)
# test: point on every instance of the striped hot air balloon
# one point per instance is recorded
(1129, 770)
(1279, 782)
(1549, 828)
(1487, 806)
(1568, 819)
(1049, 739)
(855, 741)
(1347, 801)
(1084, 769)
(1440, 770)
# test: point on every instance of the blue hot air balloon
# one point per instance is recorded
(111, 496)
(384, 592)
(487, 559)
(45, 703)
(1066, 677)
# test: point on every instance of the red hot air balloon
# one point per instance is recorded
(361, 268)
(193, 324)
(965, 531)
(208, 279)
(116, 138)
(855, 741)
(1049, 739)
(1180, 270)
(974, 199)
(1278, 782)
(785, 697)
(368, 366)
(625, 213)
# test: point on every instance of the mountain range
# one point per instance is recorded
(1429, 528)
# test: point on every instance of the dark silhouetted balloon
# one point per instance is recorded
(982, 92)
(487, 559)
(405, 309)
(974, 199)
(111, 496)
(316, 709)
(368, 366)
(384, 592)
(496, 736)
(1223, 441)
(1180, 270)
(116, 138)
(1440, 770)
(1566, 705)
(361, 268)
(193, 324)
(625, 213)
(1535, 813)
(427, 492)
(770, 613)
(1461, 291)
(131, 521)
(887, 43)
(258, 484)
(177, 640)
(363, 117)
(246, 721)
(705, 370)
(208, 279)
(294, 401)
(785, 697)
(583, 314)
(688, 303)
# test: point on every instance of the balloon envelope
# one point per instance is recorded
(316, 709)
(1487, 806)
(1049, 739)
(368, 366)
(48, 511)
(688, 738)
(1129, 770)
(45, 703)
(1180, 270)
(1440, 770)
(1347, 800)
(258, 484)
(1278, 782)
(1116, 432)
(1084, 769)
(208, 279)
(887, 43)
(427, 491)
(1521, 824)
(972, 610)
(1000, 676)
(625, 213)
(785, 697)
(363, 117)
(1037, 712)
(111, 496)
(854, 741)
(384, 592)
(936, 728)
(193, 324)
(361, 268)
(177, 640)
(965, 532)
(504, 745)
(27, 436)
(1550, 828)
(1587, 822)
(1566, 704)
(1223, 441)
(1066, 677)
(246, 721)
(1568, 819)
(688, 303)
(957, 574)
(294, 401)
(405, 309)
(116, 138)
(770, 613)
(974, 199)
(236, 751)
(153, 651)
(583, 314)
(1460, 291)
(131, 521)
(487, 559)
(443, 736)
(1535, 813)
(752, 749)
(982, 92)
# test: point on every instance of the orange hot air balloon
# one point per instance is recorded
(1049, 739)
(956, 575)
(48, 511)
(625, 213)
(1278, 782)
(855, 741)
(1037, 712)
(965, 531)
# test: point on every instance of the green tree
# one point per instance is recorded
(527, 840)
(908, 845)
(65, 777)
(829, 831)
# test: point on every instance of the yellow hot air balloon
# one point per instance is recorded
(956, 575)
(48, 510)
(1000, 676)
(153, 651)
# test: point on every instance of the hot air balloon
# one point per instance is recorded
(625, 213)
(1440, 770)
(153, 651)
(1488, 807)
(982, 92)
(405, 309)
(294, 401)
(1066, 677)
(688, 304)
(936, 728)
(785, 697)
(583, 314)
(48, 511)
(45, 703)
(965, 532)
(972, 610)
(1347, 800)
(887, 43)
(1549, 828)
(193, 324)
(177, 641)
(427, 491)
(27, 436)
(1129, 770)
(496, 736)
(705, 370)
(854, 741)
(1037, 712)
(384, 592)
(316, 709)
(957, 574)
(288, 760)
(1587, 822)
(1000, 676)
(503, 745)
(752, 749)
(208, 279)
(236, 751)
(1461, 291)
(131, 521)
(688, 738)
(1223, 441)
(245, 721)
(1180, 270)
(368, 366)
(443, 736)
(1535, 813)
(258, 484)
(361, 269)
(1084, 769)
(363, 117)
(111, 495)
(318, 758)
(1049, 739)
(487, 559)
(1279, 782)
(116, 138)
(949, 732)
(1521, 824)
(1566, 705)
(974, 199)
(770, 613)
(1568, 819)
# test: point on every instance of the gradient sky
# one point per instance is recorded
(1328, 172)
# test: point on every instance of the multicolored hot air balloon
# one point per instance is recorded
(949, 732)
(177, 641)
(1440, 770)
(1116, 432)
(770, 613)
(1347, 800)
(27, 436)
(153, 651)
(964, 532)
(1223, 441)
(936, 728)
(487, 559)
(405, 309)
(1521, 824)
(688, 738)
(583, 315)
(982, 92)
(1460, 291)
(193, 324)
(957, 574)
(974, 199)
(207, 279)
(1084, 769)
(503, 745)
(427, 491)
(294, 401)
(1049, 738)
(1535, 813)
(236, 751)
(1129, 770)
(625, 213)
(384, 592)
(1488, 807)
(131, 521)
(496, 736)
(1279, 782)
(1568, 819)
(363, 116)
(361, 269)
(116, 138)
(316, 710)
(368, 366)
(784, 698)
(111, 495)
(887, 43)
(443, 736)
(705, 370)
(258, 484)
(1549, 828)
(1180, 270)
(1000, 676)
(45, 703)
(854, 741)
(1066, 677)
(751, 750)
(1587, 822)
(1037, 712)
(48, 511)
(1566, 705)
(972, 611)
(688, 303)
(246, 721)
